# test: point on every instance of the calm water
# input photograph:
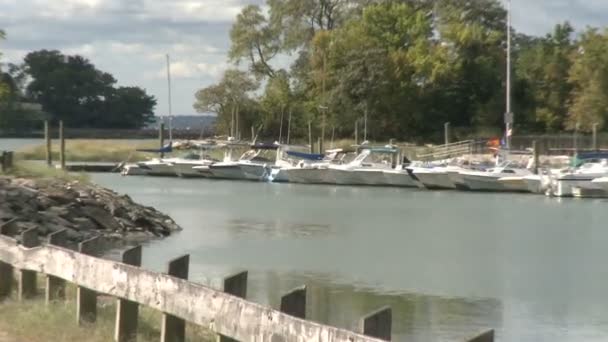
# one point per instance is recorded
(16, 144)
(450, 264)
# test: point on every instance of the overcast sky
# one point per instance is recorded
(129, 38)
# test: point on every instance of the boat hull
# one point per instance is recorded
(307, 175)
(476, 182)
(231, 171)
(399, 178)
(255, 172)
(434, 180)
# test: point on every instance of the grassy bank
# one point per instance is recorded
(37, 170)
(33, 321)
(92, 150)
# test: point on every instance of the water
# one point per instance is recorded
(450, 264)
(16, 144)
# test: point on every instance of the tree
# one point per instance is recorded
(545, 65)
(3, 86)
(230, 99)
(71, 89)
(253, 39)
(589, 77)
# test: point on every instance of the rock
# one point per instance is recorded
(83, 223)
(83, 209)
(101, 217)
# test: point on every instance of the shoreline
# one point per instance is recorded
(85, 210)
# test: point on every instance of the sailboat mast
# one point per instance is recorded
(509, 114)
(169, 99)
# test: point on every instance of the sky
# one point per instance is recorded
(130, 38)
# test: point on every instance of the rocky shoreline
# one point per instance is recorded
(85, 210)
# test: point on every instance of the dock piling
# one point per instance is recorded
(294, 302)
(378, 324)
(235, 285)
(61, 145)
(55, 287)
(488, 336)
(26, 279)
(174, 328)
(86, 299)
(127, 312)
(47, 139)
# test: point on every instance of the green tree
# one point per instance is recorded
(544, 66)
(254, 40)
(70, 88)
(589, 76)
(3, 86)
(231, 99)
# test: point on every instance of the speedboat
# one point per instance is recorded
(372, 166)
(579, 181)
(301, 167)
(255, 164)
(490, 180)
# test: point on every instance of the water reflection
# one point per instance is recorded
(450, 264)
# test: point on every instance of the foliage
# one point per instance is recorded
(70, 88)
(589, 76)
(410, 66)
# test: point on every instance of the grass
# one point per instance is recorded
(92, 150)
(37, 170)
(34, 321)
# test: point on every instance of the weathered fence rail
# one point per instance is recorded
(226, 313)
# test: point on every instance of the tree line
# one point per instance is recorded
(405, 67)
(68, 88)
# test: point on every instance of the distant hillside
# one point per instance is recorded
(187, 122)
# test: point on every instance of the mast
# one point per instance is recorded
(508, 114)
(169, 98)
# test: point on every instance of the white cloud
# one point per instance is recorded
(192, 70)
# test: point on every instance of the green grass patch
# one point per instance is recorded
(34, 321)
(92, 150)
(38, 170)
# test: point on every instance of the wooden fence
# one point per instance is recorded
(226, 313)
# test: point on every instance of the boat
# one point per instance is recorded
(579, 180)
(602, 183)
(489, 180)
(400, 176)
(376, 166)
(314, 168)
(255, 164)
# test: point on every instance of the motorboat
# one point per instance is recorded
(255, 164)
(579, 181)
(490, 180)
(314, 168)
(372, 166)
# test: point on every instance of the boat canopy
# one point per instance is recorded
(166, 149)
(580, 157)
(307, 156)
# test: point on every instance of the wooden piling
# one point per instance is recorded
(173, 328)
(536, 156)
(61, 145)
(488, 336)
(310, 136)
(127, 312)
(55, 287)
(86, 299)
(378, 324)
(294, 302)
(26, 279)
(235, 285)
(47, 139)
(161, 137)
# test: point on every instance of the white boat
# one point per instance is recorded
(372, 166)
(255, 164)
(400, 176)
(579, 181)
(313, 168)
(602, 183)
(490, 180)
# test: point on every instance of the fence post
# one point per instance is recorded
(488, 336)
(6, 275)
(536, 156)
(235, 285)
(378, 324)
(446, 133)
(47, 139)
(294, 302)
(173, 328)
(86, 299)
(126, 310)
(61, 145)
(26, 279)
(55, 287)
